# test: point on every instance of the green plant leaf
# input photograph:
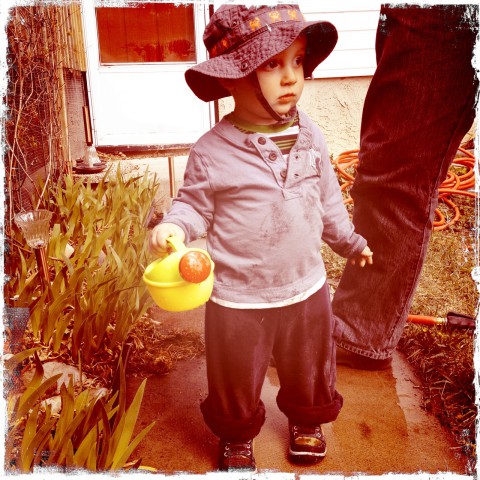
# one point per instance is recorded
(117, 259)
(54, 314)
(60, 328)
(42, 453)
(69, 462)
(60, 281)
(37, 377)
(36, 307)
(91, 432)
(122, 459)
(28, 437)
(23, 273)
(32, 395)
(86, 299)
(81, 455)
(34, 442)
(64, 422)
(66, 441)
(36, 389)
(19, 357)
(92, 458)
(106, 435)
(128, 426)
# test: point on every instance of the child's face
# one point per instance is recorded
(281, 80)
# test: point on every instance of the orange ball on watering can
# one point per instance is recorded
(182, 279)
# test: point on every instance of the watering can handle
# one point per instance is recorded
(176, 244)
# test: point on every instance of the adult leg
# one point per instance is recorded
(419, 106)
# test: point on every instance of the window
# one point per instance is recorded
(150, 32)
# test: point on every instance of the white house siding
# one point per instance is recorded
(356, 23)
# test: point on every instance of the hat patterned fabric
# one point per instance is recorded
(256, 23)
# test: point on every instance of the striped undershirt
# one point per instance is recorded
(284, 136)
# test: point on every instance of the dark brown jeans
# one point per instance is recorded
(239, 346)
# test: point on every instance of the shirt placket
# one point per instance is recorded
(273, 157)
(287, 172)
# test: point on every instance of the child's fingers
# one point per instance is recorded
(362, 261)
(158, 243)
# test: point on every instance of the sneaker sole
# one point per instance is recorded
(239, 470)
(306, 457)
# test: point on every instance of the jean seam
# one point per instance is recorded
(432, 206)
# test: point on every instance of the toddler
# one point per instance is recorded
(261, 185)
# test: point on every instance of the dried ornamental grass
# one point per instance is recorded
(443, 359)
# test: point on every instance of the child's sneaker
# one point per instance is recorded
(234, 456)
(307, 445)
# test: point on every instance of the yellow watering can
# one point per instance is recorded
(181, 280)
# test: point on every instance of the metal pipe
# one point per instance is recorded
(171, 176)
(41, 257)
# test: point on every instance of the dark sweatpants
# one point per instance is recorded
(239, 345)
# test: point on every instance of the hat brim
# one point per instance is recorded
(204, 78)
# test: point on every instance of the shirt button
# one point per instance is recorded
(283, 174)
(272, 156)
(262, 140)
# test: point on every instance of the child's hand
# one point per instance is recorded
(158, 237)
(366, 257)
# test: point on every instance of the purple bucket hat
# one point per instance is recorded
(239, 39)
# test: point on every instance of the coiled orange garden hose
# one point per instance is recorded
(455, 184)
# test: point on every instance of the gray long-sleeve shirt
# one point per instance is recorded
(265, 217)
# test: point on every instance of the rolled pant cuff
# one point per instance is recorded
(233, 429)
(312, 415)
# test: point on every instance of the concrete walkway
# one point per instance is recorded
(381, 428)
